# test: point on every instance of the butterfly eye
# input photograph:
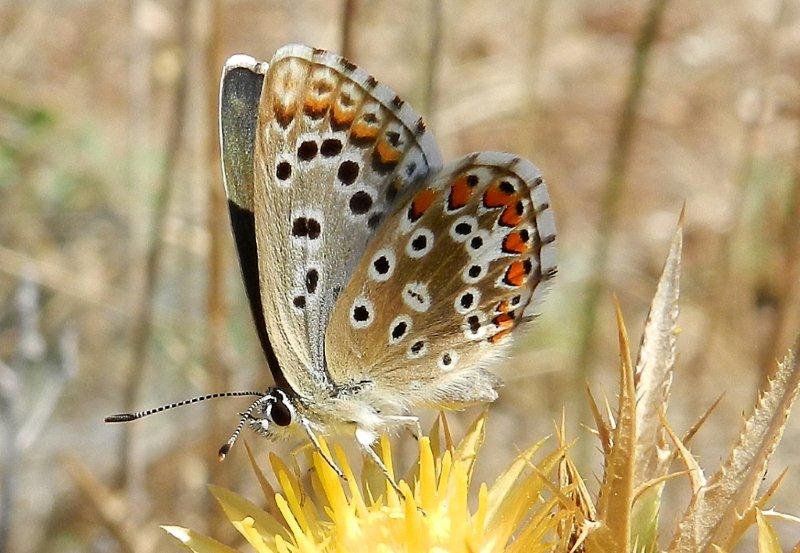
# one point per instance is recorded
(280, 413)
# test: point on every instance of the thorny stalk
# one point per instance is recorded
(435, 16)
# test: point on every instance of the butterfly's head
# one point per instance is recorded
(275, 415)
(271, 415)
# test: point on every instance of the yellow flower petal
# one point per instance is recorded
(304, 540)
(246, 527)
(432, 514)
(238, 508)
(505, 482)
(467, 449)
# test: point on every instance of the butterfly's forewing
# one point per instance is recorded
(334, 151)
(444, 282)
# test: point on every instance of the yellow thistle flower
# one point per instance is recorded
(518, 513)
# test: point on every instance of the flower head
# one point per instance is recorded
(515, 513)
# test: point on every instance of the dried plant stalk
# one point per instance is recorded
(143, 322)
(713, 512)
(613, 188)
(434, 54)
(348, 16)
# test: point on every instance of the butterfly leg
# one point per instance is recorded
(365, 439)
(313, 437)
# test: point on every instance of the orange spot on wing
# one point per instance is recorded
(516, 273)
(386, 152)
(420, 204)
(342, 118)
(499, 194)
(284, 112)
(512, 215)
(502, 307)
(460, 191)
(494, 197)
(503, 321)
(316, 106)
(362, 131)
(515, 242)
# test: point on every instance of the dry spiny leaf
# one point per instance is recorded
(713, 512)
(653, 378)
(654, 366)
(616, 493)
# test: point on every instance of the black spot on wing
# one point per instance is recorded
(307, 150)
(330, 147)
(348, 172)
(284, 170)
(360, 202)
(312, 279)
(348, 65)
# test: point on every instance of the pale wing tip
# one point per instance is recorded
(245, 61)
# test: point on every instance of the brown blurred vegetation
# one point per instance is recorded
(119, 289)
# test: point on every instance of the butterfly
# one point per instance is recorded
(379, 281)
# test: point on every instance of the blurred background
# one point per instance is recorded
(119, 288)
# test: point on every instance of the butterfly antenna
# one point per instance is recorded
(226, 447)
(127, 417)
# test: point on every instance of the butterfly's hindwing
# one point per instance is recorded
(444, 282)
(334, 152)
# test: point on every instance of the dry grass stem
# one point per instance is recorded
(142, 326)
(614, 185)
(348, 24)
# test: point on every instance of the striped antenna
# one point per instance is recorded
(226, 447)
(127, 417)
